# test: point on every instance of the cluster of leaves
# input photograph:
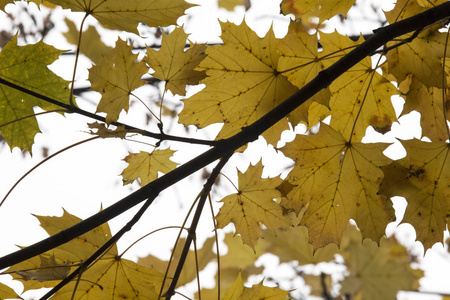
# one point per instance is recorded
(253, 86)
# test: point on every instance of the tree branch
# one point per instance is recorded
(73, 109)
(192, 229)
(248, 134)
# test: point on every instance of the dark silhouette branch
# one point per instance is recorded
(73, 109)
(192, 229)
(248, 134)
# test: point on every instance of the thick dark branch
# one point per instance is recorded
(248, 134)
(73, 109)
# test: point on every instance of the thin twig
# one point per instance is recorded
(192, 229)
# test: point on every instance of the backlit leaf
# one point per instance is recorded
(361, 96)
(378, 271)
(421, 57)
(239, 292)
(242, 83)
(428, 101)
(7, 293)
(338, 181)
(126, 15)
(26, 66)
(299, 62)
(174, 65)
(146, 165)
(91, 43)
(204, 256)
(115, 78)
(323, 9)
(252, 206)
(423, 178)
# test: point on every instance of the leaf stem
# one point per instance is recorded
(43, 161)
(77, 54)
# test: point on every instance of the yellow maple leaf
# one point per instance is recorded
(49, 269)
(26, 66)
(299, 62)
(126, 15)
(428, 101)
(323, 9)
(7, 293)
(361, 96)
(115, 78)
(242, 84)
(421, 57)
(231, 4)
(337, 181)
(108, 277)
(146, 165)
(91, 44)
(104, 132)
(239, 260)
(377, 271)
(423, 178)
(253, 205)
(198, 258)
(238, 291)
(114, 277)
(174, 65)
(293, 245)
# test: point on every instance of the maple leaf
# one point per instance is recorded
(126, 15)
(323, 9)
(110, 276)
(239, 260)
(422, 56)
(377, 271)
(337, 181)
(299, 62)
(361, 96)
(104, 132)
(7, 293)
(293, 245)
(91, 45)
(423, 178)
(238, 291)
(174, 65)
(146, 165)
(231, 4)
(114, 277)
(428, 101)
(115, 78)
(49, 269)
(26, 66)
(204, 256)
(253, 204)
(242, 84)
(3, 3)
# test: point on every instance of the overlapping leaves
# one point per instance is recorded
(110, 275)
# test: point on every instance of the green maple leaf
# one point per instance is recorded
(26, 66)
